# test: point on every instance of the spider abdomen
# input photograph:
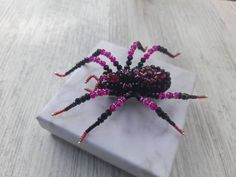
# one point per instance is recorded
(140, 80)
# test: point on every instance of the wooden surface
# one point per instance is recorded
(38, 37)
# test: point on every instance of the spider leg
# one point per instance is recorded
(83, 62)
(119, 102)
(177, 95)
(88, 90)
(109, 56)
(156, 48)
(97, 84)
(159, 111)
(82, 99)
(90, 77)
(133, 47)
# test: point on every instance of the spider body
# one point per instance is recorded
(141, 82)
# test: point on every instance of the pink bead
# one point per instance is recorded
(107, 91)
(93, 94)
(133, 47)
(150, 51)
(161, 95)
(169, 95)
(103, 63)
(103, 52)
(146, 56)
(118, 103)
(153, 106)
(113, 59)
(97, 60)
(112, 108)
(130, 52)
(141, 99)
(155, 47)
(123, 99)
(146, 101)
(100, 92)
(91, 58)
(176, 95)
(108, 54)
(104, 77)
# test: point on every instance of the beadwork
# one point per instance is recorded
(141, 82)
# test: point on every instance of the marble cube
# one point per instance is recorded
(134, 138)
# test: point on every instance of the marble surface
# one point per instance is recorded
(134, 138)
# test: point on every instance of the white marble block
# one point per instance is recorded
(133, 138)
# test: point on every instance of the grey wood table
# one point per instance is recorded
(38, 37)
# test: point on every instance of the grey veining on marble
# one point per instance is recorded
(133, 138)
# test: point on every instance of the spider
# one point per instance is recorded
(141, 82)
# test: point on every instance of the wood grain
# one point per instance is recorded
(38, 37)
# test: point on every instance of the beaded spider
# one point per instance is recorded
(141, 82)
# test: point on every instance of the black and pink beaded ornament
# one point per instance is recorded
(141, 82)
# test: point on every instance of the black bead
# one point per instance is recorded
(170, 122)
(98, 51)
(119, 67)
(78, 64)
(86, 60)
(184, 96)
(106, 67)
(104, 116)
(158, 109)
(100, 120)
(162, 49)
(140, 64)
(87, 96)
(129, 57)
(83, 99)
(116, 63)
(108, 112)
(109, 70)
(128, 62)
(77, 101)
(143, 60)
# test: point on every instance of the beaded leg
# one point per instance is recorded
(156, 48)
(119, 102)
(133, 47)
(109, 56)
(153, 106)
(82, 99)
(83, 62)
(177, 95)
